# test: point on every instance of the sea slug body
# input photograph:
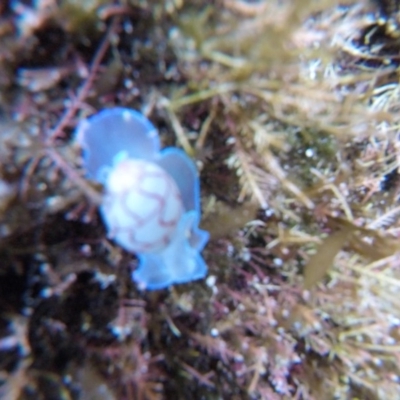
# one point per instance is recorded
(151, 202)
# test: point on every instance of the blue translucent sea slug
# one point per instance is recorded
(151, 201)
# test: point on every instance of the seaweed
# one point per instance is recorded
(290, 110)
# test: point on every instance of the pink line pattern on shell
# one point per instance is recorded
(143, 204)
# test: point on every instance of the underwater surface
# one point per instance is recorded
(199, 200)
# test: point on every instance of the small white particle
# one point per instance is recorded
(104, 280)
(230, 250)
(245, 255)
(44, 268)
(121, 332)
(309, 153)
(269, 212)
(278, 262)
(393, 320)
(297, 325)
(214, 332)
(128, 28)
(55, 202)
(86, 250)
(211, 280)
(390, 341)
(238, 358)
(128, 83)
(306, 295)
(377, 362)
(8, 343)
(46, 293)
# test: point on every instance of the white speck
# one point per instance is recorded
(297, 325)
(245, 255)
(8, 343)
(45, 267)
(27, 311)
(5, 230)
(278, 262)
(85, 327)
(42, 186)
(239, 358)
(269, 212)
(306, 295)
(7, 191)
(214, 332)
(314, 65)
(230, 250)
(46, 293)
(86, 250)
(128, 83)
(104, 280)
(55, 202)
(393, 320)
(390, 341)
(309, 153)
(121, 332)
(296, 359)
(128, 28)
(174, 33)
(211, 280)
(377, 362)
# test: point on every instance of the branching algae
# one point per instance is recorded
(151, 201)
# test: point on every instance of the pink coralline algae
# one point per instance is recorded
(151, 201)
